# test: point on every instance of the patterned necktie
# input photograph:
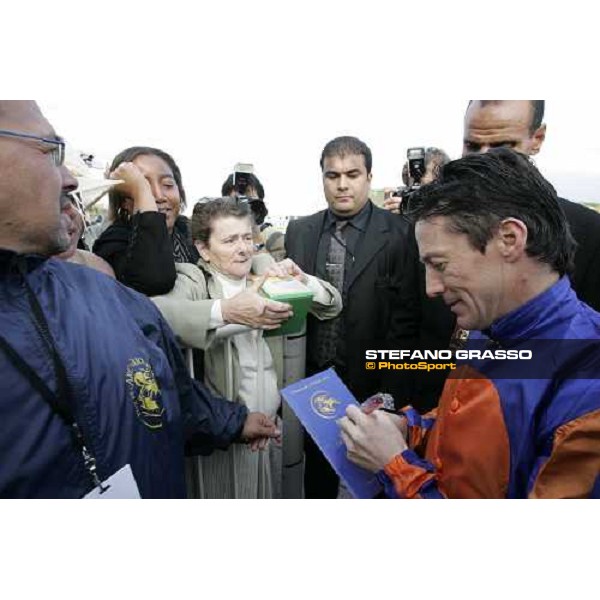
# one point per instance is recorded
(336, 258)
(330, 331)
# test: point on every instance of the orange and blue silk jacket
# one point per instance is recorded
(498, 435)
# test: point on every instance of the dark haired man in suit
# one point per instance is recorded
(369, 254)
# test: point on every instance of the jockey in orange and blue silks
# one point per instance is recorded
(494, 435)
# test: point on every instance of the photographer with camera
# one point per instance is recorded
(244, 185)
(422, 167)
(437, 325)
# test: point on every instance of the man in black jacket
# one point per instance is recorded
(369, 254)
(518, 124)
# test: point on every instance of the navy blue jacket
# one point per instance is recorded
(132, 395)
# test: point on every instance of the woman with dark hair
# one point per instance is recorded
(148, 235)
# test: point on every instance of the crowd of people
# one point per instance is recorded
(99, 399)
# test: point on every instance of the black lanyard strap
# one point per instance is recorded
(61, 401)
(50, 397)
(63, 389)
(36, 381)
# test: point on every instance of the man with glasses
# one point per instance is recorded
(56, 144)
(31, 171)
(96, 398)
(72, 211)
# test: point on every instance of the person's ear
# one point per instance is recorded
(203, 250)
(512, 239)
(537, 139)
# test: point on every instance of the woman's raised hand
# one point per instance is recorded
(135, 186)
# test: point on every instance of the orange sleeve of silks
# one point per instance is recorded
(409, 476)
(419, 428)
(573, 468)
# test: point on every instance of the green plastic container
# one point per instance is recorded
(293, 292)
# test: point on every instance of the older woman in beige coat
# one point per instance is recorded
(239, 362)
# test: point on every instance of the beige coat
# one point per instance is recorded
(187, 308)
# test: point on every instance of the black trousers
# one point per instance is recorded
(320, 480)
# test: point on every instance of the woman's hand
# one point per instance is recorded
(134, 186)
(252, 309)
(287, 268)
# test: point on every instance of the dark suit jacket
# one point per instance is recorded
(382, 303)
(585, 227)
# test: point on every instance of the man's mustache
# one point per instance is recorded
(65, 200)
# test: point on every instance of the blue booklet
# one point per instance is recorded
(319, 401)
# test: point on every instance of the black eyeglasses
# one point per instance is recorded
(58, 149)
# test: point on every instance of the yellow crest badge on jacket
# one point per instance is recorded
(145, 393)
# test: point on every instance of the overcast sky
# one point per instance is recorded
(282, 133)
(271, 83)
